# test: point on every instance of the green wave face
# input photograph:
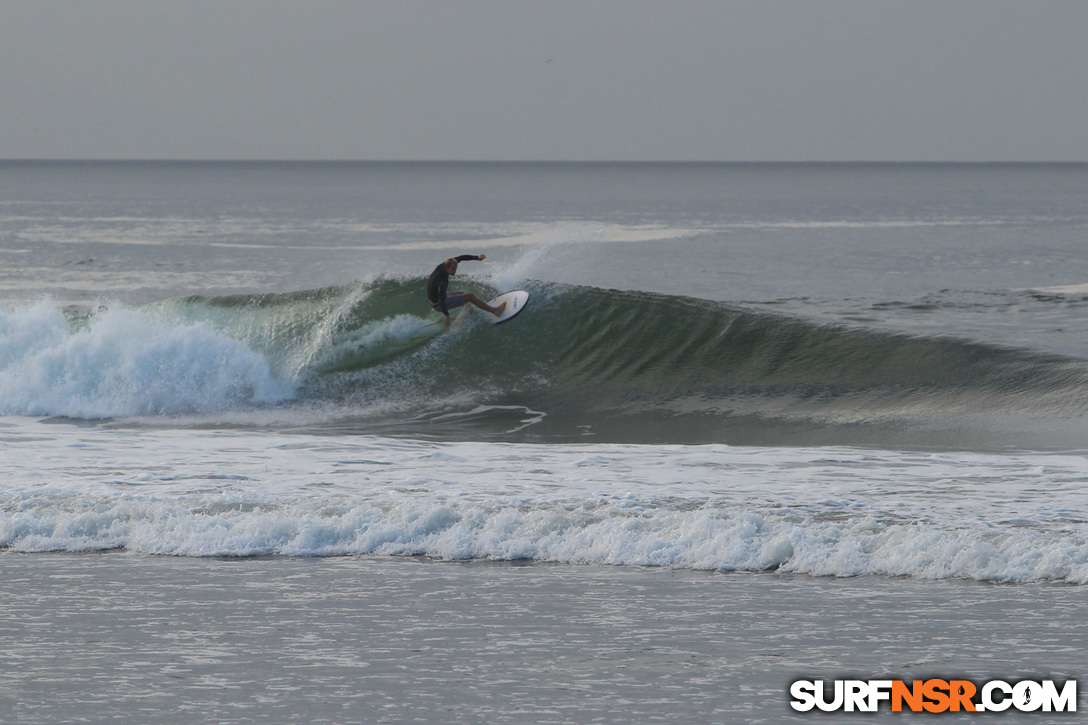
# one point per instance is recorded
(632, 366)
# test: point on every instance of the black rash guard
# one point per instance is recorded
(440, 280)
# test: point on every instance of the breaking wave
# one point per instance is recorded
(627, 366)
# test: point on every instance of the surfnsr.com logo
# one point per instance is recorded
(934, 695)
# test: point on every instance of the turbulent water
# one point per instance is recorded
(721, 367)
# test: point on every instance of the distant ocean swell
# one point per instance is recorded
(586, 356)
(620, 530)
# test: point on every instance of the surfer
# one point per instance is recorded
(440, 280)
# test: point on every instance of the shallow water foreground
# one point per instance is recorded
(136, 638)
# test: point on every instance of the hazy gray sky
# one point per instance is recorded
(517, 79)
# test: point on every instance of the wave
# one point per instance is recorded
(123, 363)
(599, 530)
(824, 511)
(626, 366)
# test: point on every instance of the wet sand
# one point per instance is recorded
(136, 638)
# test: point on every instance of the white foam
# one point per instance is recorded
(840, 512)
(124, 362)
(492, 236)
(1069, 289)
(863, 224)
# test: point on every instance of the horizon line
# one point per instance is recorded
(32, 159)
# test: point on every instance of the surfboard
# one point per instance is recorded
(515, 303)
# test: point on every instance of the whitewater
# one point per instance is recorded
(1006, 518)
(152, 381)
(758, 422)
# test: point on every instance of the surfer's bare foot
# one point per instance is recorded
(498, 310)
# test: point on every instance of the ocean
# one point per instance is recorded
(759, 423)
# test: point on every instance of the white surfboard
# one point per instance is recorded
(515, 303)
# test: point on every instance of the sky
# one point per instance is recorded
(594, 80)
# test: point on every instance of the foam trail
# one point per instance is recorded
(1069, 289)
